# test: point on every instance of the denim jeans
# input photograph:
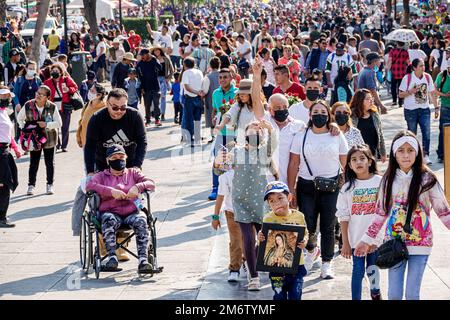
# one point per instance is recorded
(79, 204)
(444, 118)
(361, 265)
(176, 61)
(422, 118)
(416, 266)
(312, 203)
(163, 88)
(151, 103)
(192, 113)
(288, 286)
(133, 105)
(112, 67)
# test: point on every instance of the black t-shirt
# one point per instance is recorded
(369, 133)
(103, 132)
(162, 71)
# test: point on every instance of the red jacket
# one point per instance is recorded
(134, 41)
(65, 96)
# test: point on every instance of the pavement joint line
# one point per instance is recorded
(437, 275)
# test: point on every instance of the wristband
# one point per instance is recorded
(215, 217)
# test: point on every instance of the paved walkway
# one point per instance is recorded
(39, 259)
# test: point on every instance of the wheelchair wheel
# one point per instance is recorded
(85, 245)
(97, 259)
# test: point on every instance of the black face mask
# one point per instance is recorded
(341, 118)
(319, 120)
(55, 75)
(253, 139)
(4, 103)
(312, 95)
(281, 115)
(118, 164)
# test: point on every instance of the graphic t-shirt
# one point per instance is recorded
(420, 100)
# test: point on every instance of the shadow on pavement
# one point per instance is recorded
(38, 212)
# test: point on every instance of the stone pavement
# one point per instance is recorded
(39, 259)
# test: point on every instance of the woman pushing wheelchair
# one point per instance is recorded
(119, 187)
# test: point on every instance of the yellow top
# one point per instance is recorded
(53, 41)
(294, 217)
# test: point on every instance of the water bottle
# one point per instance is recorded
(138, 204)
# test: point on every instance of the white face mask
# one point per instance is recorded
(92, 95)
(31, 73)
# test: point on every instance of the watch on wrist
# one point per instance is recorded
(215, 217)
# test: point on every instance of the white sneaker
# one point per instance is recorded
(243, 271)
(254, 284)
(311, 258)
(50, 189)
(30, 190)
(326, 272)
(427, 159)
(233, 276)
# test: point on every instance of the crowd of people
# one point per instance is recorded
(291, 96)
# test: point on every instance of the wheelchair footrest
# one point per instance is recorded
(108, 269)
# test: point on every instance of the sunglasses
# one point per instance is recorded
(118, 108)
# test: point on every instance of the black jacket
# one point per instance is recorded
(103, 132)
(119, 76)
(147, 72)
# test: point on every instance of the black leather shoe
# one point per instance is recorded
(4, 223)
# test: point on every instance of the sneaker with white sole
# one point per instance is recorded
(254, 284)
(243, 272)
(30, 190)
(50, 189)
(427, 160)
(233, 276)
(311, 258)
(326, 271)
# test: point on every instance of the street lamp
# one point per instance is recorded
(65, 24)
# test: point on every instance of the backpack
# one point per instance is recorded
(408, 80)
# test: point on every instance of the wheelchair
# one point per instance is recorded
(91, 229)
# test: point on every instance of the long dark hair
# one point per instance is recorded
(342, 75)
(357, 103)
(413, 65)
(419, 169)
(350, 175)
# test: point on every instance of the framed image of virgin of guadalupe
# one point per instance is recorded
(279, 253)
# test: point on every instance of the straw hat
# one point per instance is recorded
(129, 56)
(245, 86)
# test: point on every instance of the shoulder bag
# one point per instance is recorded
(76, 101)
(394, 251)
(321, 183)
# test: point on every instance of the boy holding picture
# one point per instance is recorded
(285, 286)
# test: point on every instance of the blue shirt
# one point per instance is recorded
(176, 88)
(366, 79)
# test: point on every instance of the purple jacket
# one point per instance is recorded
(103, 182)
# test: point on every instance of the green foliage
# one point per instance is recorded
(139, 25)
(164, 17)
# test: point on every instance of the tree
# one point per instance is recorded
(90, 12)
(388, 7)
(3, 7)
(43, 7)
(406, 13)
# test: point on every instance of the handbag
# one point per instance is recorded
(76, 101)
(321, 183)
(394, 251)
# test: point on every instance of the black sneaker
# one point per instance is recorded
(163, 118)
(145, 267)
(112, 263)
(4, 223)
(376, 296)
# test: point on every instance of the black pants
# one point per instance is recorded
(35, 158)
(65, 117)
(151, 98)
(178, 110)
(4, 201)
(395, 84)
(312, 203)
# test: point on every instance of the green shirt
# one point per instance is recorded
(217, 98)
(445, 101)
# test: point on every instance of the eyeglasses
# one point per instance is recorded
(118, 108)
(40, 94)
(369, 99)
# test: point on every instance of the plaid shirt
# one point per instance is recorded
(399, 58)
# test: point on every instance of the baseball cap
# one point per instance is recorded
(340, 46)
(116, 40)
(7, 91)
(279, 37)
(13, 52)
(114, 149)
(204, 42)
(91, 75)
(275, 187)
(144, 51)
(234, 34)
(372, 56)
(132, 70)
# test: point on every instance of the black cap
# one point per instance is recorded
(13, 52)
(144, 51)
(340, 46)
(91, 75)
(114, 149)
(48, 62)
(372, 56)
(132, 70)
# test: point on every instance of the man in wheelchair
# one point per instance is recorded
(118, 188)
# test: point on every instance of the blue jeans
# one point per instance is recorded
(422, 118)
(192, 113)
(176, 61)
(133, 105)
(444, 118)
(163, 88)
(288, 286)
(361, 265)
(416, 267)
(111, 70)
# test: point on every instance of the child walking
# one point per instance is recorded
(133, 87)
(285, 286)
(176, 88)
(407, 184)
(224, 203)
(356, 212)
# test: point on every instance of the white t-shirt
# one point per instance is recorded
(100, 45)
(242, 48)
(420, 100)
(436, 55)
(193, 78)
(334, 62)
(352, 51)
(176, 48)
(164, 41)
(416, 54)
(357, 206)
(285, 137)
(298, 111)
(322, 152)
(225, 187)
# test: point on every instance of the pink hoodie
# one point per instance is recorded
(104, 182)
